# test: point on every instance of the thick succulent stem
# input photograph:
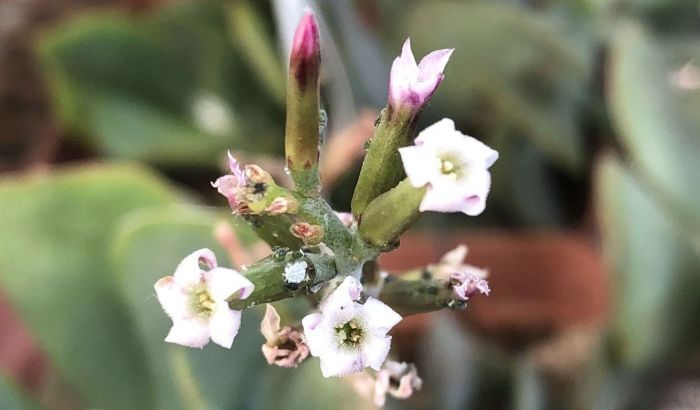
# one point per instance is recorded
(410, 297)
(268, 276)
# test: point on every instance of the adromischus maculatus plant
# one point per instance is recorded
(318, 251)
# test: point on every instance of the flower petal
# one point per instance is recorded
(408, 61)
(375, 349)
(434, 132)
(434, 63)
(318, 335)
(223, 282)
(420, 163)
(224, 324)
(226, 185)
(270, 324)
(378, 316)
(341, 363)
(172, 298)
(189, 332)
(189, 272)
(342, 298)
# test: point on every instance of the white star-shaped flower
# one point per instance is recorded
(348, 336)
(454, 167)
(195, 299)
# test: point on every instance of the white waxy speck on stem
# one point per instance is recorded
(295, 272)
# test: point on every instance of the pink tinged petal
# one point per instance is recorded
(270, 324)
(420, 163)
(468, 284)
(224, 324)
(423, 90)
(378, 316)
(189, 332)
(318, 335)
(405, 389)
(408, 61)
(222, 283)
(444, 196)
(172, 298)
(236, 170)
(434, 63)
(475, 190)
(341, 363)
(226, 185)
(375, 349)
(381, 388)
(189, 272)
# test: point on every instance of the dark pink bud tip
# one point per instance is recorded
(305, 60)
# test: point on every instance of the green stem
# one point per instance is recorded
(410, 297)
(270, 285)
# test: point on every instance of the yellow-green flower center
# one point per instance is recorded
(350, 334)
(202, 302)
(449, 167)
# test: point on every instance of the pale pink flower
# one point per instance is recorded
(284, 347)
(399, 380)
(412, 84)
(229, 185)
(348, 336)
(195, 299)
(468, 282)
(453, 166)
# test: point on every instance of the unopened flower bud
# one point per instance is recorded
(302, 128)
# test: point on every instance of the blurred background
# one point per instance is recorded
(115, 116)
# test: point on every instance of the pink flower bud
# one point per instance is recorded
(305, 60)
(411, 85)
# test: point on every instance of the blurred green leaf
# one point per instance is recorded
(168, 89)
(657, 119)
(54, 267)
(656, 271)
(519, 66)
